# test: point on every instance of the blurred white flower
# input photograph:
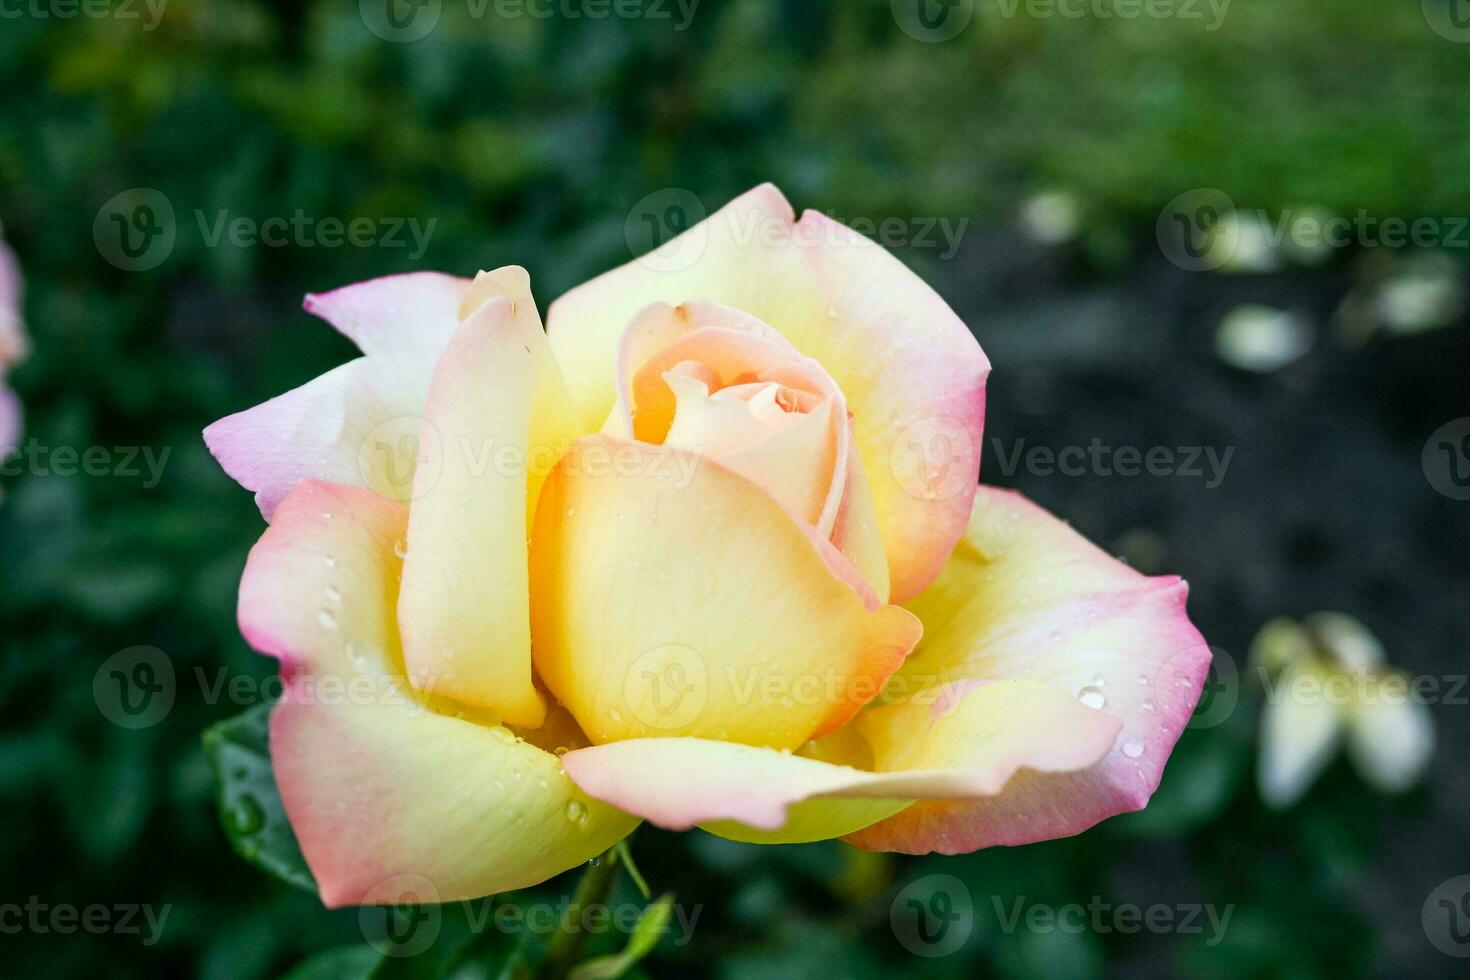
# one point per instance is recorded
(1243, 240)
(1327, 683)
(1051, 217)
(1424, 295)
(1261, 338)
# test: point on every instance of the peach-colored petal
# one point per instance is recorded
(1025, 596)
(912, 373)
(498, 414)
(354, 425)
(374, 783)
(968, 741)
(672, 597)
(719, 346)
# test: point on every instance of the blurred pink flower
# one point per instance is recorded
(12, 345)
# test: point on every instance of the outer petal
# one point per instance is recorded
(497, 420)
(911, 371)
(967, 741)
(351, 425)
(670, 599)
(374, 783)
(1025, 596)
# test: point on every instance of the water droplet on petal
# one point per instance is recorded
(577, 812)
(333, 595)
(1132, 748)
(1091, 697)
(400, 548)
(327, 618)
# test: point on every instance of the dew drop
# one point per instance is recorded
(400, 548)
(571, 511)
(1132, 748)
(832, 312)
(333, 595)
(501, 733)
(329, 561)
(577, 812)
(1091, 697)
(1148, 704)
(327, 618)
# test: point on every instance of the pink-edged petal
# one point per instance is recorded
(967, 741)
(375, 782)
(357, 424)
(1026, 596)
(913, 375)
(497, 417)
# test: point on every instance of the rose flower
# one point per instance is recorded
(709, 550)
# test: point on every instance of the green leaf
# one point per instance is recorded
(249, 802)
(342, 963)
(650, 928)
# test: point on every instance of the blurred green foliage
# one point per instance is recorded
(528, 141)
